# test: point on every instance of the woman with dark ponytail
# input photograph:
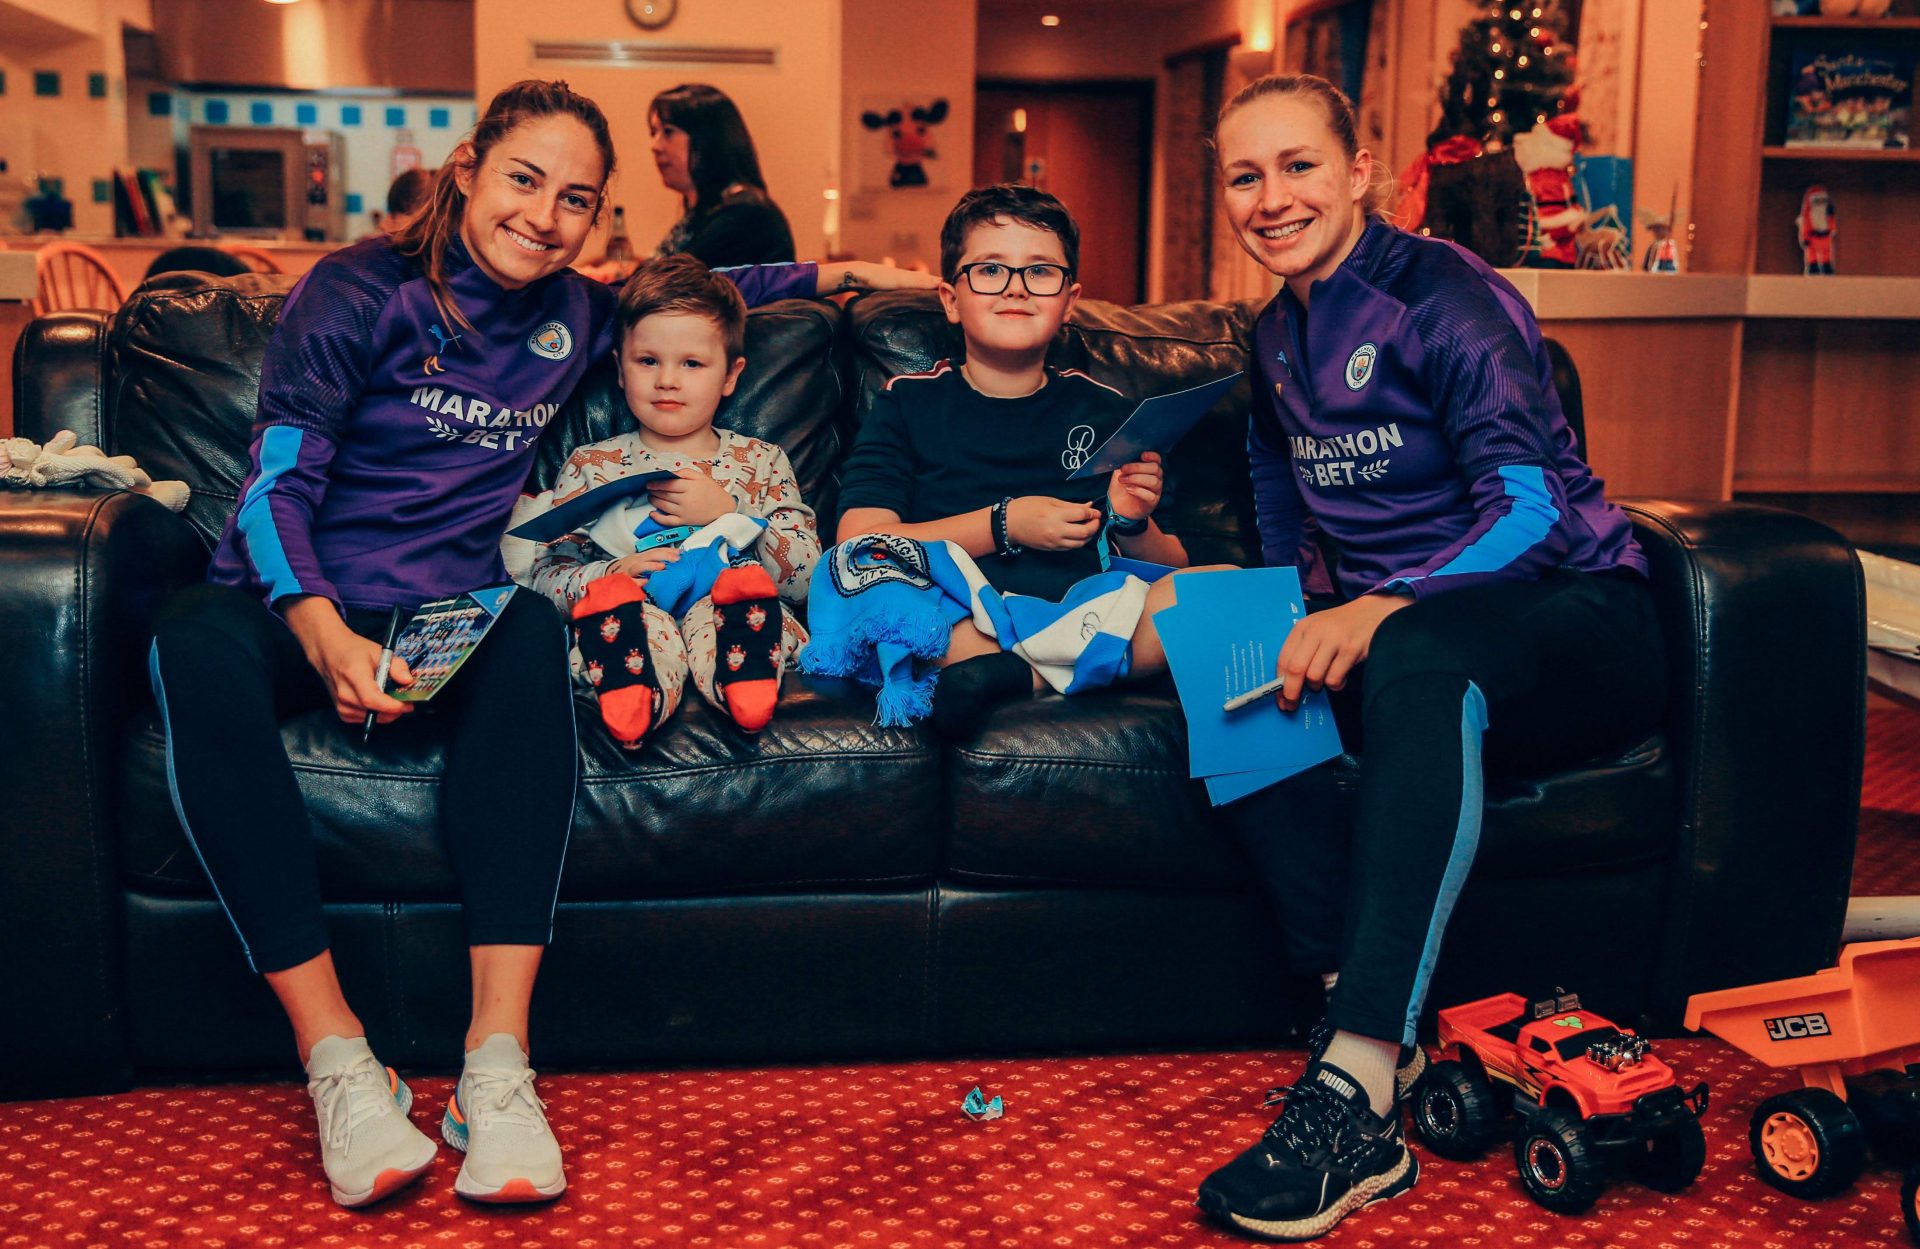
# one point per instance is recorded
(401, 396)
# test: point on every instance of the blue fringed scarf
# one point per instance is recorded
(882, 610)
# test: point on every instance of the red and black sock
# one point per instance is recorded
(749, 628)
(611, 634)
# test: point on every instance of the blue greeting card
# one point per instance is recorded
(579, 511)
(1223, 637)
(1156, 425)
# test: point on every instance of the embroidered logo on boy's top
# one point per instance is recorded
(1079, 442)
(552, 341)
(1360, 365)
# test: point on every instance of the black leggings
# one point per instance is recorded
(226, 672)
(1520, 676)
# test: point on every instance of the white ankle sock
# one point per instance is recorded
(1370, 1062)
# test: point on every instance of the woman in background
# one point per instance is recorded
(702, 149)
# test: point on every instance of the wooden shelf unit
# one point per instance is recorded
(1840, 155)
(1847, 25)
(1823, 413)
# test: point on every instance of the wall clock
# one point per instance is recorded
(652, 14)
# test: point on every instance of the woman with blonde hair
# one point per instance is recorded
(1479, 603)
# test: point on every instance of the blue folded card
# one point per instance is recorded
(1156, 425)
(579, 511)
(1223, 637)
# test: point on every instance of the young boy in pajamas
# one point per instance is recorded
(721, 544)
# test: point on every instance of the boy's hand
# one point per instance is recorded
(1040, 523)
(691, 500)
(1135, 489)
(645, 564)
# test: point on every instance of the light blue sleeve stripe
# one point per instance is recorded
(279, 453)
(1526, 524)
(1466, 844)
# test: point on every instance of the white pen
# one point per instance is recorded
(1253, 695)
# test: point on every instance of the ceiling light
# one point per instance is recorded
(1050, 19)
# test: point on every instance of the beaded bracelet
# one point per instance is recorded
(1002, 542)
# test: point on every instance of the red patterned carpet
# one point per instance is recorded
(1092, 1151)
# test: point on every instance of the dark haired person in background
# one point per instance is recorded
(702, 149)
(408, 193)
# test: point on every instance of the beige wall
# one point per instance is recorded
(72, 136)
(789, 107)
(1669, 89)
(888, 62)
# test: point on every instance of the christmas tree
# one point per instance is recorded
(1512, 71)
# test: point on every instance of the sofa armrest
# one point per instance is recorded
(82, 573)
(1765, 619)
(60, 377)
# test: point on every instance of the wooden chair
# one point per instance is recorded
(74, 276)
(256, 259)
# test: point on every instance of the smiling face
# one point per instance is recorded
(531, 199)
(674, 370)
(1292, 195)
(672, 153)
(1014, 323)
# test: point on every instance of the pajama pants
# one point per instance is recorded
(226, 672)
(1523, 677)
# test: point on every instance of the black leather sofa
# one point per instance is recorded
(834, 889)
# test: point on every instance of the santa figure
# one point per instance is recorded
(1545, 156)
(1817, 225)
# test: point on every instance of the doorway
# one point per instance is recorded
(1087, 143)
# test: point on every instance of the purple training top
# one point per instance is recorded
(389, 446)
(1411, 416)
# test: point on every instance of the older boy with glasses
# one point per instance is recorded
(978, 453)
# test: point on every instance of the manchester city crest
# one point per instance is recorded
(551, 341)
(1360, 365)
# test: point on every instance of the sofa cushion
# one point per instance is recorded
(1146, 351)
(1093, 790)
(701, 810)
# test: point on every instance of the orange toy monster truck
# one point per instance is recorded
(1853, 1032)
(1583, 1088)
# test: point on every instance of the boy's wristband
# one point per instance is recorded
(1002, 542)
(1124, 527)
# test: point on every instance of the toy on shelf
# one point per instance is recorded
(1853, 1032)
(1816, 225)
(1582, 1088)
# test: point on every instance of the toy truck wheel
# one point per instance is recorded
(1910, 1204)
(1559, 1166)
(1807, 1143)
(1454, 1113)
(1674, 1158)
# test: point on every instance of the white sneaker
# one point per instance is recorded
(368, 1147)
(500, 1123)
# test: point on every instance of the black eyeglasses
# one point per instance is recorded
(990, 277)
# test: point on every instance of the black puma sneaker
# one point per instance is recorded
(1326, 1156)
(1413, 1059)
